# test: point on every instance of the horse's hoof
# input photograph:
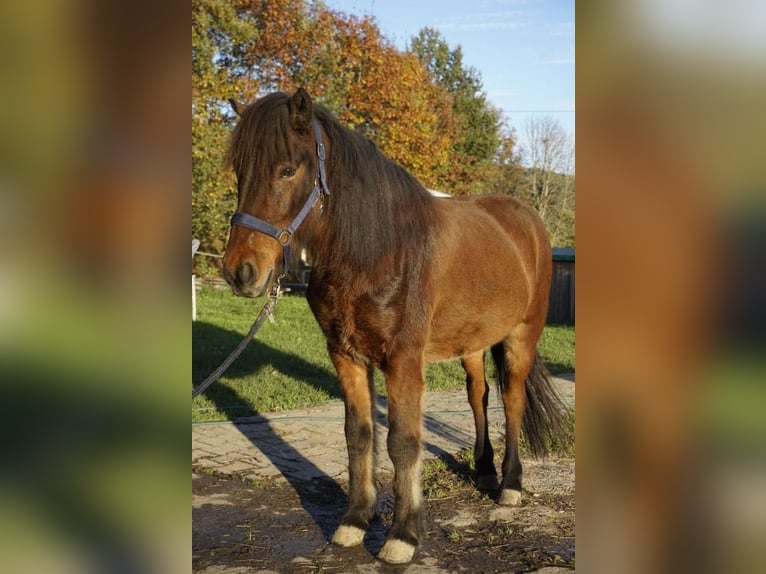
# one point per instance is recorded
(396, 552)
(509, 497)
(348, 536)
(487, 483)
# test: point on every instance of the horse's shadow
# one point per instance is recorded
(211, 345)
(320, 495)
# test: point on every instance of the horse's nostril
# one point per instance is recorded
(245, 274)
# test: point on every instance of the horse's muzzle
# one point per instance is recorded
(244, 280)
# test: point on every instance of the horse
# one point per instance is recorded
(400, 278)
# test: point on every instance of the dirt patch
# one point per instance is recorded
(284, 527)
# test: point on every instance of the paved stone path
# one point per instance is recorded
(310, 443)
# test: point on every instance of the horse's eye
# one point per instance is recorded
(287, 172)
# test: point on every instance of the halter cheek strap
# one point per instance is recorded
(285, 234)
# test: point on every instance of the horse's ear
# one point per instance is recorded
(238, 108)
(301, 111)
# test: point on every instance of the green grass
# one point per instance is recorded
(557, 348)
(439, 481)
(287, 366)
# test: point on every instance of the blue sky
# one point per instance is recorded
(523, 49)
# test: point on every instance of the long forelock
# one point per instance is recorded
(259, 138)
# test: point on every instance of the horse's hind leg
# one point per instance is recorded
(356, 381)
(478, 397)
(514, 358)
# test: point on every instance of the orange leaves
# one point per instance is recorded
(393, 101)
(345, 62)
(247, 47)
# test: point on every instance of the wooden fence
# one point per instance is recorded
(561, 305)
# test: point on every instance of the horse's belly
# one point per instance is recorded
(452, 337)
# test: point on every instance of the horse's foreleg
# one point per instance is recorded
(405, 385)
(356, 382)
(478, 398)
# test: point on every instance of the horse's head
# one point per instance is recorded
(274, 153)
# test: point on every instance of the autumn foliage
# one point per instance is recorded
(434, 121)
(345, 62)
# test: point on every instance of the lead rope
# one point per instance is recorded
(267, 311)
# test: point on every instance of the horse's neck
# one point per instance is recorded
(364, 239)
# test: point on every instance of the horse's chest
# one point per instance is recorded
(360, 327)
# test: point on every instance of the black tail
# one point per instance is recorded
(544, 410)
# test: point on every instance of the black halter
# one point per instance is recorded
(284, 235)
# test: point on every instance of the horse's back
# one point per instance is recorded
(512, 228)
(522, 223)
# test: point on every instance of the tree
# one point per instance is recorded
(218, 38)
(345, 62)
(508, 171)
(479, 126)
(390, 98)
(423, 107)
(548, 181)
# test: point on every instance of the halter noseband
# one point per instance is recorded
(284, 235)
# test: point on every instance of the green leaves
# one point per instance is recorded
(477, 131)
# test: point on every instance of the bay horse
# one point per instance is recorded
(399, 279)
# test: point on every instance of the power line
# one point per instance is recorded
(540, 111)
